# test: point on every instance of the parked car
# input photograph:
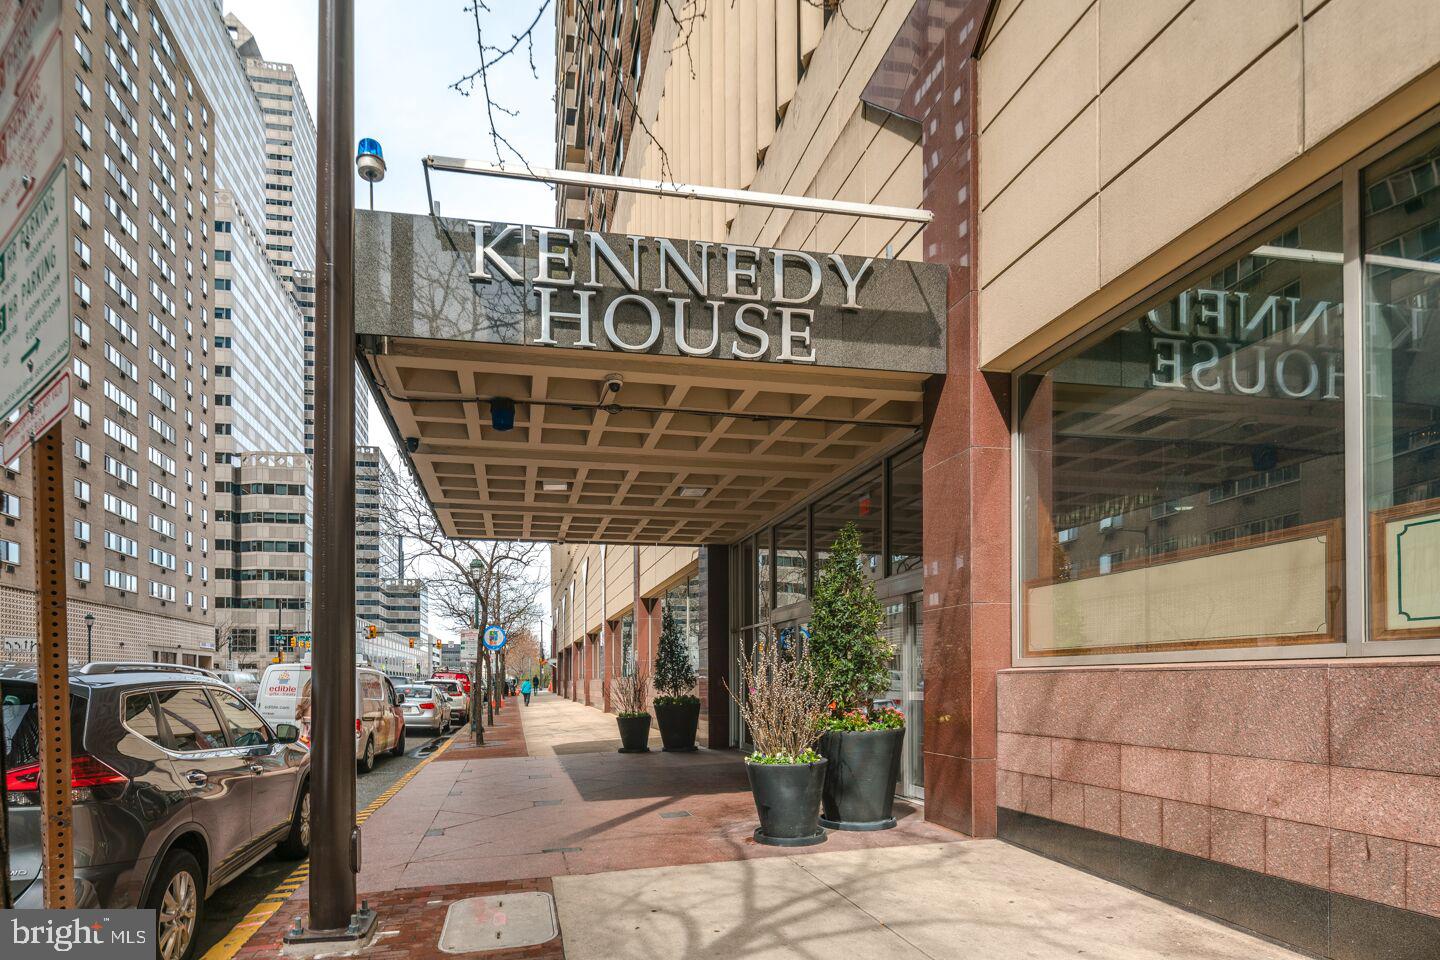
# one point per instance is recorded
(179, 786)
(425, 706)
(379, 724)
(460, 675)
(459, 697)
(246, 681)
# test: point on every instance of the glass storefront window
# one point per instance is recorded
(1184, 471)
(763, 572)
(1401, 240)
(792, 558)
(683, 602)
(627, 645)
(904, 512)
(860, 502)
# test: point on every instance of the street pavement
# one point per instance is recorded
(234, 900)
(650, 856)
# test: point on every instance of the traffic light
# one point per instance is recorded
(370, 631)
(412, 643)
(292, 641)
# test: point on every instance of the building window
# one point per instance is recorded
(792, 560)
(1400, 196)
(860, 503)
(904, 512)
(1184, 469)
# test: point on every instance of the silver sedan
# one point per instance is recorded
(424, 706)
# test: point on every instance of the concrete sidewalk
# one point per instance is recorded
(650, 857)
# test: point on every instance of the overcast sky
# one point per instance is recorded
(407, 54)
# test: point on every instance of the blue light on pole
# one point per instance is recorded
(370, 164)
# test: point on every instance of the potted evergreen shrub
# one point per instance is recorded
(631, 715)
(783, 708)
(677, 709)
(851, 660)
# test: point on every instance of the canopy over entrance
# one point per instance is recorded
(661, 392)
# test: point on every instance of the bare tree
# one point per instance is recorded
(471, 583)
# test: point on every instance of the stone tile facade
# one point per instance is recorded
(1325, 773)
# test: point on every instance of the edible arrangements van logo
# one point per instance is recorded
(112, 934)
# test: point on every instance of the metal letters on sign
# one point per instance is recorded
(494, 638)
(553, 288)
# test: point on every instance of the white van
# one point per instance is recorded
(379, 723)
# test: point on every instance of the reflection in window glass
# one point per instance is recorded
(792, 555)
(246, 727)
(1402, 415)
(683, 602)
(763, 572)
(905, 512)
(861, 503)
(192, 721)
(1184, 473)
(627, 645)
(140, 716)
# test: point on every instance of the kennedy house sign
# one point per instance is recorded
(445, 279)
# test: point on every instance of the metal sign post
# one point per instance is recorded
(53, 659)
(335, 848)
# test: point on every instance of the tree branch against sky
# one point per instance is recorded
(504, 576)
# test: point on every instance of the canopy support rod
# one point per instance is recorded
(665, 188)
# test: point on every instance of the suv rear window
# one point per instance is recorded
(416, 693)
(22, 724)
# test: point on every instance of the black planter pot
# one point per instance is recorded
(634, 734)
(787, 799)
(860, 778)
(678, 723)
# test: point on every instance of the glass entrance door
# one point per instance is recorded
(904, 628)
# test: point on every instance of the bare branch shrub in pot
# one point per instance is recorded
(632, 716)
(632, 696)
(781, 702)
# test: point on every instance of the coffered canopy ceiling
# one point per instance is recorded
(687, 451)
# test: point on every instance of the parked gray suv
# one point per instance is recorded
(178, 784)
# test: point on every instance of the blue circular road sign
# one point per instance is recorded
(494, 638)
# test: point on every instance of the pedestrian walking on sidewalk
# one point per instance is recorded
(525, 692)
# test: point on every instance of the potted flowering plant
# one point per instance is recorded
(782, 707)
(852, 661)
(677, 709)
(630, 714)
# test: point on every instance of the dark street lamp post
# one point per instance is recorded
(89, 638)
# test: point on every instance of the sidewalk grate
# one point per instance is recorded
(675, 815)
(435, 832)
(547, 803)
(560, 850)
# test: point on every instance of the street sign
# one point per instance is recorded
(40, 415)
(34, 324)
(34, 244)
(494, 638)
(469, 644)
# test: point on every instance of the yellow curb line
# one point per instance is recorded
(245, 927)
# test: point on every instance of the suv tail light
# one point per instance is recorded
(22, 784)
(357, 726)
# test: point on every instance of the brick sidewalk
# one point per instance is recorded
(520, 810)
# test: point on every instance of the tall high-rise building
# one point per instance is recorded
(259, 382)
(305, 295)
(140, 142)
(289, 155)
(262, 516)
(377, 552)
